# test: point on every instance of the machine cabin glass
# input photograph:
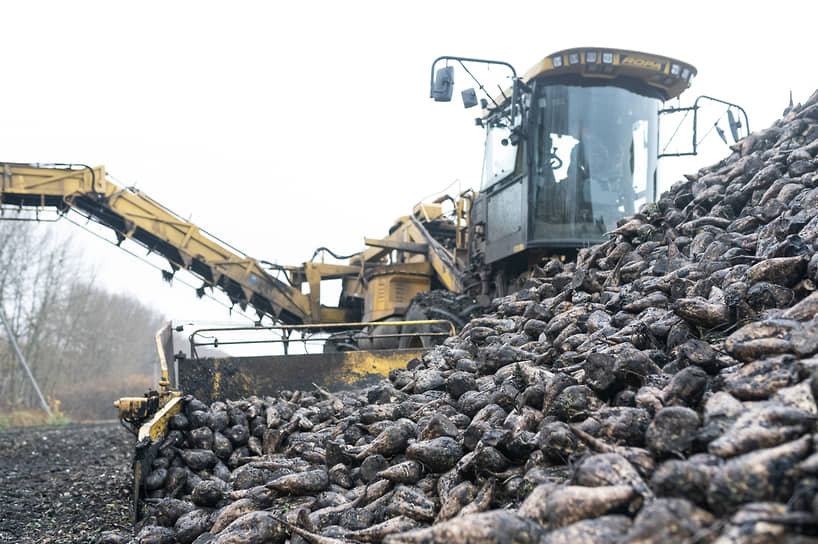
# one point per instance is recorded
(594, 159)
(500, 156)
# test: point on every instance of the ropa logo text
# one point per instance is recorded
(644, 63)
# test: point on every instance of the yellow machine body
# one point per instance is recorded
(134, 215)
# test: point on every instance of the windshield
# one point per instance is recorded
(594, 160)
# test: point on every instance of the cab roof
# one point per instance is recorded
(643, 73)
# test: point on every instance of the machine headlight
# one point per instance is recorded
(674, 69)
(607, 58)
(573, 58)
(557, 61)
(590, 57)
(685, 73)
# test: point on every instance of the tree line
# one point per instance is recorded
(85, 345)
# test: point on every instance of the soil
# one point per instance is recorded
(62, 484)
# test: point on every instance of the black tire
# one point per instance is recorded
(434, 305)
(340, 341)
(472, 310)
(337, 347)
(383, 336)
(417, 338)
(439, 313)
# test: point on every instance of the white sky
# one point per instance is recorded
(281, 127)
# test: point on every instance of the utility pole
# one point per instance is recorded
(22, 359)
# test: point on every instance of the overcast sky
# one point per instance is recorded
(281, 127)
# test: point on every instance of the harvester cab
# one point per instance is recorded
(571, 148)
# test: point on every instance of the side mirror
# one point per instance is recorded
(735, 125)
(469, 97)
(443, 84)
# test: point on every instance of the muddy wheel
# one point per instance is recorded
(336, 347)
(341, 341)
(381, 336)
(439, 313)
(439, 304)
(472, 310)
(417, 338)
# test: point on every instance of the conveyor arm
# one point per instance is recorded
(134, 215)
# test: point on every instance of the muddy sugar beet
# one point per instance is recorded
(659, 388)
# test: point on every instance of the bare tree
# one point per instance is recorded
(85, 345)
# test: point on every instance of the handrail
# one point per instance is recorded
(323, 326)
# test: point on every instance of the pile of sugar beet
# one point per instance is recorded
(659, 389)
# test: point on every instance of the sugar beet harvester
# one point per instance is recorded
(571, 147)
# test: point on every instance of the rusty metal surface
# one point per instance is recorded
(234, 378)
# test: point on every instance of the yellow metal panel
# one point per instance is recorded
(332, 315)
(33, 180)
(409, 247)
(156, 428)
(333, 271)
(446, 271)
(373, 254)
(428, 210)
(390, 294)
(361, 363)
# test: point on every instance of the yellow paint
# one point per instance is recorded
(643, 62)
(158, 424)
(129, 405)
(428, 210)
(217, 378)
(391, 293)
(358, 364)
(518, 248)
